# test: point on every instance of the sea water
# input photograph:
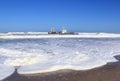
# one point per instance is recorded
(39, 55)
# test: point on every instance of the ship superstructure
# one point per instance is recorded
(52, 31)
(62, 32)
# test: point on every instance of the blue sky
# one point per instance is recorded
(74, 15)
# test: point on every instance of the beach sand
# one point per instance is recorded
(109, 72)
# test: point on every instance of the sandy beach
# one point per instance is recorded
(109, 72)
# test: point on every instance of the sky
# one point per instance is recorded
(74, 15)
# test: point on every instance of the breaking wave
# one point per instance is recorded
(22, 35)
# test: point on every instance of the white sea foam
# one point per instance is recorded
(20, 58)
(46, 55)
(6, 71)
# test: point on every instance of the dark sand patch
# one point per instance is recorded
(109, 72)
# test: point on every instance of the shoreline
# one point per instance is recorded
(109, 72)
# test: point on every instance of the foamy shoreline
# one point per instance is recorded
(47, 55)
(109, 72)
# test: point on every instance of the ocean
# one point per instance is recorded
(36, 53)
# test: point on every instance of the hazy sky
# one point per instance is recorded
(74, 15)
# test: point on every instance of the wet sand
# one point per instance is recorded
(109, 72)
